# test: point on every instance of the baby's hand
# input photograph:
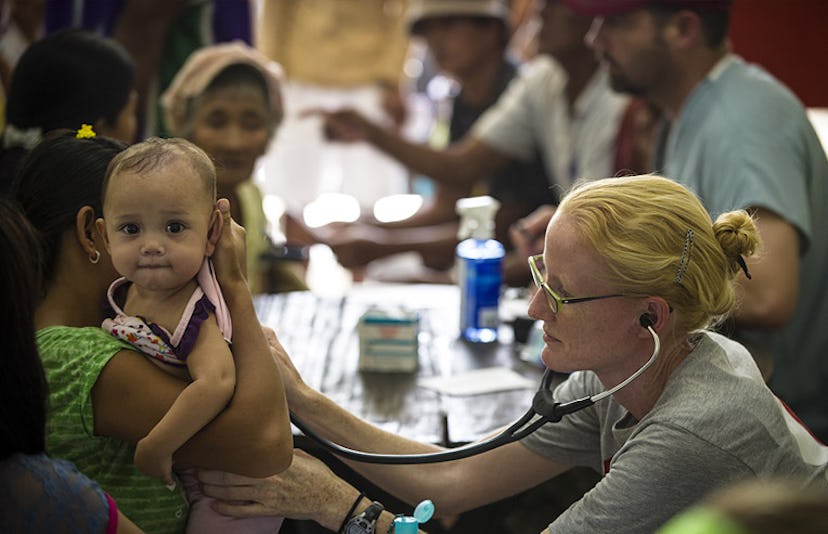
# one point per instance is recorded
(153, 461)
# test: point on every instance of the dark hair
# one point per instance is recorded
(63, 80)
(239, 74)
(23, 389)
(68, 78)
(57, 178)
(715, 22)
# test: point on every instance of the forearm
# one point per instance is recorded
(454, 165)
(360, 244)
(425, 240)
(454, 486)
(440, 210)
(194, 408)
(335, 511)
(424, 217)
(513, 466)
(410, 483)
(384, 521)
(254, 429)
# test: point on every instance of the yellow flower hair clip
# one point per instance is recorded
(85, 132)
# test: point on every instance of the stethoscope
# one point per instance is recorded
(543, 405)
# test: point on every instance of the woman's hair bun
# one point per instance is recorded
(737, 235)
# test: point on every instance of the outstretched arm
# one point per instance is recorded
(308, 489)
(462, 163)
(430, 232)
(454, 486)
(359, 244)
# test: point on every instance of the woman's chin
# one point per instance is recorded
(552, 359)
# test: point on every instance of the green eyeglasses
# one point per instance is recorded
(556, 301)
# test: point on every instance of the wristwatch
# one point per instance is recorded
(366, 522)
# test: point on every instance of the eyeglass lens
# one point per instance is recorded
(538, 274)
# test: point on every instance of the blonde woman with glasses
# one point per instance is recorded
(628, 264)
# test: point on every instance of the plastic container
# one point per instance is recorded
(409, 524)
(480, 269)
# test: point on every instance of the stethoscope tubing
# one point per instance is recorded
(544, 406)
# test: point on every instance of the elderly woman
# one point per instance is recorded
(627, 262)
(227, 100)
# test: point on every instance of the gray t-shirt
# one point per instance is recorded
(744, 140)
(716, 422)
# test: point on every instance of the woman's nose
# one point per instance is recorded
(538, 306)
(234, 138)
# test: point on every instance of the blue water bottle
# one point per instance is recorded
(480, 269)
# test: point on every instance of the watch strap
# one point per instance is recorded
(350, 511)
(373, 511)
(365, 522)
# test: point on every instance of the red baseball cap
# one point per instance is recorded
(605, 8)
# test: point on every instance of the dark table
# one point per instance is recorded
(320, 334)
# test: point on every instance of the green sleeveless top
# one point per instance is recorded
(73, 358)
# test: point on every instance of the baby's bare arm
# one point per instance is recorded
(213, 379)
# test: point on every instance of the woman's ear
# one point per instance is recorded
(216, 224)
(657, 313)
(86, 232)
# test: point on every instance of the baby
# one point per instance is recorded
(160, 226)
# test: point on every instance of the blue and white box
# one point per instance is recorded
(388, 340)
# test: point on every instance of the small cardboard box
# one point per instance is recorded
(388, 340)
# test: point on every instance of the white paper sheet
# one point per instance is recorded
(478, 381)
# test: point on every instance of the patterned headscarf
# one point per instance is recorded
(200, 70)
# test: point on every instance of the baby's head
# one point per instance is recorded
(155, 155)
(159, 217)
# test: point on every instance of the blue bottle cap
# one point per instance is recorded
(405, 525)
(424, 511)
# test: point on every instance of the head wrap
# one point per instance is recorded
(202, 67)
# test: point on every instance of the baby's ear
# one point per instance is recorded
(100, 226)
(214, 233)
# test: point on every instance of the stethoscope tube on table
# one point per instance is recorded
(543, 404)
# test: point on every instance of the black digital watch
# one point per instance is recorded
(366, 522)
